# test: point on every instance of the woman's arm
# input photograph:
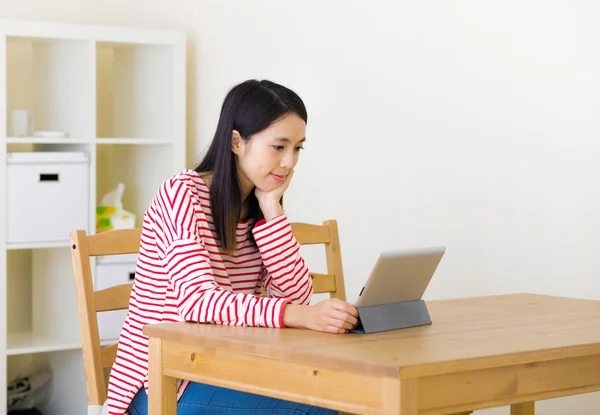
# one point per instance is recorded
(285, 274)
(199, 297)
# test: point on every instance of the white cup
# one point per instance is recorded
(21, 124)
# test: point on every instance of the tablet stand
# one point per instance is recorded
(393, 316)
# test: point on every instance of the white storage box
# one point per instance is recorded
(111, 271)
(48, 196)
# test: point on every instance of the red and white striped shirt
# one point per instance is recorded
(182, 274)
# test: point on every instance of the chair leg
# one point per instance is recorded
(526, 408)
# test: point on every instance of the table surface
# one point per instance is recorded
(467, 333)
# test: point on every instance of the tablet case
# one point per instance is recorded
(393, 316)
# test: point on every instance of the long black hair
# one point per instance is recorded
(249, 108)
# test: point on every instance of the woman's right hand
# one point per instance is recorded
(331, 316)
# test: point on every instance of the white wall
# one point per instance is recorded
(469, 124)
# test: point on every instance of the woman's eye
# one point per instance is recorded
(280, 148)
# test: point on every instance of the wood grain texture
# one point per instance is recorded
(478, 353)
(112, 298)
(108, 353)
(409, 397)
(466, 334)
(390, 396)
(527, 408)
(333, 253)
(161, 388)
(115, 242)
(323, 283)
(309, 234)
(478, 389)
(88, 323)
(310, 384)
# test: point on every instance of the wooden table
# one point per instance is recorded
(478, 353)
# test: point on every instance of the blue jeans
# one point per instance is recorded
(201, 399)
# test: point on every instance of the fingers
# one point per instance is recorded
(335, 330)
(334, 326)
(342, 314)
(344, 317)
(288, 179)
(334, 316)
(344, 306)
(339, 325)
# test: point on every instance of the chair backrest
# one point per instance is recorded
(326, 234)
(90, 302)
(118, 242)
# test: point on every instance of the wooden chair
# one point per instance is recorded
(118, 242)
(90, 302)
(327, 234)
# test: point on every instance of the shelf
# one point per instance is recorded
(134, 141)
(39, 140)
(40, 245)
(27, 343)
(119, 95)
(101, 140)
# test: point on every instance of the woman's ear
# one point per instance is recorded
(236, 142)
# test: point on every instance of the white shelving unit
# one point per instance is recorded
(119, 94)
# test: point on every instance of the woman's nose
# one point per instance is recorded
(287, 161)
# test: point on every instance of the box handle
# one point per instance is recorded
(131, 276)
(48, 177)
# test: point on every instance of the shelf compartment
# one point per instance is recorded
(142, 169)
(41, 303)
(134, 90)
(53, 79)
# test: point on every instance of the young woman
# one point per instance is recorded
(212, 238)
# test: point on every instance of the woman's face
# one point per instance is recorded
(267, 157)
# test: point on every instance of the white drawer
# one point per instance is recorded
(48, 196)
(109, 274)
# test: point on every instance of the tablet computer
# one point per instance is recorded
(399, 276)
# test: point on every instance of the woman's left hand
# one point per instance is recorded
(269, 201)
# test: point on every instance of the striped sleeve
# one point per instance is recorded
(199, 298)
(285, 274)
